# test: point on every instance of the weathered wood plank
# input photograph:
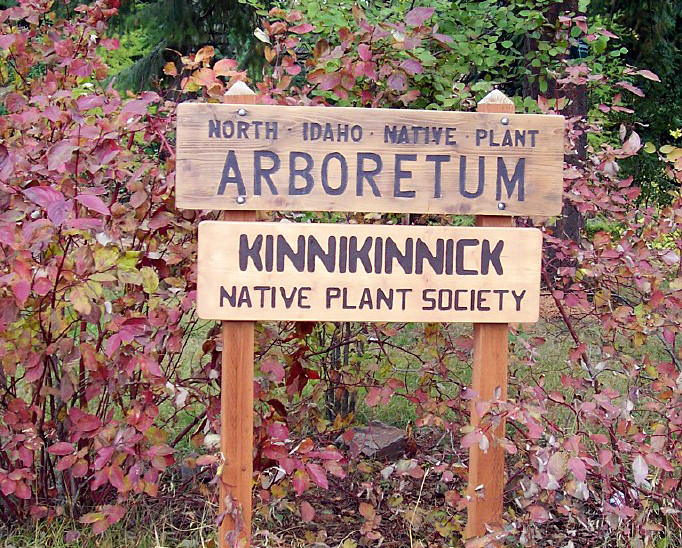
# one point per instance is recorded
(311, 272)
(348, 159)
(236, 399)
(489, 381)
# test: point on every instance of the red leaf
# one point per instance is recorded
(93, 202)
(8, 486)
(106, 152)
(649, 75)
(299, 481)
(225, 67)
(538, 514)
(150, 365)
(318, 475)
(443, 38)
(21, 289)
(659, 461)
(307, 512)
(206, 460)
(34, 373)
(412, 66)
(61, 448)
(114, 513)
(630, 87)
(367, 511)
(274, 368)
(364, 52)
(84, 421)
(136, 107)
(42, 286)
(43, 195)
(470, 439)
(334, 468)
(278, 431)
(327, 454)
(80, 468)
(417, 16)
(84, 223)
(22, 491)
(66, 462)
(577, 466)
(301, 29)
(103, 456)
(38, 511)
(59, 154)
(330, 80)
(397, 80)
(6, 40)
(58, 211)
(80, 67)
(110, 43)
(294, 15)
(373, 396)
(87, 102)
(116, 477)
(100, 526)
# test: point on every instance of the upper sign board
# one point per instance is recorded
(352, 159)
(343, 272)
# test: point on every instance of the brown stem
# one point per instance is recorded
(187, 428)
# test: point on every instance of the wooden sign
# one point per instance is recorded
(350, 159)
(311, 272)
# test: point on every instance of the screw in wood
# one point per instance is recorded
(241, 112)
(501, 206)
(241, 200)
(505, 121)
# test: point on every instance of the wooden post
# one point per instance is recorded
(236, 393)
(489, 379)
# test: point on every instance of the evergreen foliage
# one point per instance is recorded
(166, 29)
(651, 30)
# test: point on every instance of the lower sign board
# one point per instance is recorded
(340, 272)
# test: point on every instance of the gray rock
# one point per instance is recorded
(377, 440)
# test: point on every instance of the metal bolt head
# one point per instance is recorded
(241, 112)
(241, 200)
(501, 206)
(505, 121)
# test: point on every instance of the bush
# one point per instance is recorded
(97, 276)
(100, 351)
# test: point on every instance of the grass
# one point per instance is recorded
(180, 522)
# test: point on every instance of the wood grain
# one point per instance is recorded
(489, 381)
(236, 404)
(230, 275)
(208, 134)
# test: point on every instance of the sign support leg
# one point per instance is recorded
(236, 400)
(489, 380)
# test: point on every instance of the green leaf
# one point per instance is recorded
(599, 45)
(128, 260)
(150, 280)
(649, 147)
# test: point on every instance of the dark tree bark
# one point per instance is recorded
(569, 226)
